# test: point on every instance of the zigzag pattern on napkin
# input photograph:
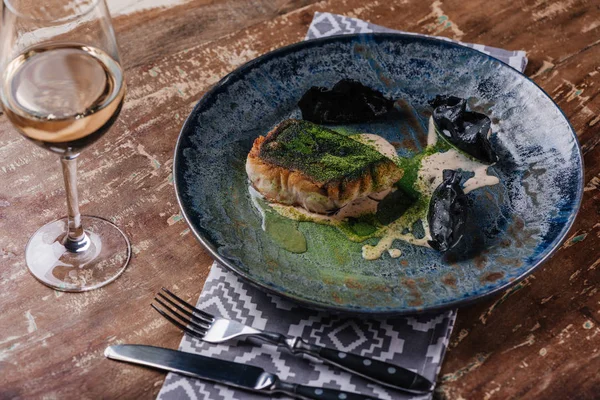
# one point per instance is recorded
(417, 342)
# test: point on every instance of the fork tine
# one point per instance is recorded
(189, 306)
(178, 324)
(194, 317)
(203, 327)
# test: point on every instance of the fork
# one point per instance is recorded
(211, 329)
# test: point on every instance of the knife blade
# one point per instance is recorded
(230, 373)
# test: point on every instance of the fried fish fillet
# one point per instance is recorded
(303, 164)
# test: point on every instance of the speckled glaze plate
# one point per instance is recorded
(514, 226)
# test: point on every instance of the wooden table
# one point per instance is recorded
(540, 339)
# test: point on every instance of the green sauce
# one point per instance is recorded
(284, 231)
(411, 167)
(360, 228)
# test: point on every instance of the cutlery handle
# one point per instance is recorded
(378, 371)
(317, 393)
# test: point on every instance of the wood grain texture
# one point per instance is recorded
(540, 339)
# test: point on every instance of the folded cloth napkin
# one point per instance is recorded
(417, 343)
(326, 24)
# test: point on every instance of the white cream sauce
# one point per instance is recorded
(392, 233)
(378, 143)
(394, 253)
(433, 166)
(254, 196)
(431, 134)
(430, 173)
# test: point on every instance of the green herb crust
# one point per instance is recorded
(321, 154)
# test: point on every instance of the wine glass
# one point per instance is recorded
(62, 87)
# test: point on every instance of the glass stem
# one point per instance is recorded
(75, 241)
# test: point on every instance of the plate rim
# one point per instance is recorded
(374, 312)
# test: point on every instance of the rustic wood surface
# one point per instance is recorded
(539, 340)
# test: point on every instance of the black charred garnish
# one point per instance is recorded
(348, 101)
(447, 214)
(466, 130)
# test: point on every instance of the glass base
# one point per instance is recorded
(97, 265)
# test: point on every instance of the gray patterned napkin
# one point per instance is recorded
(326, 24)
(417, 343)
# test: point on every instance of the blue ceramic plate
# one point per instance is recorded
(514, 226)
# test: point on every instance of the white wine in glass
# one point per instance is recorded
(63, 88)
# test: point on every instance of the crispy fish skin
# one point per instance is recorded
(290, 185)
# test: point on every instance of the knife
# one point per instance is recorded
(243, 376)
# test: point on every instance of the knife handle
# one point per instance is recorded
(375, 370)
(316, 393)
